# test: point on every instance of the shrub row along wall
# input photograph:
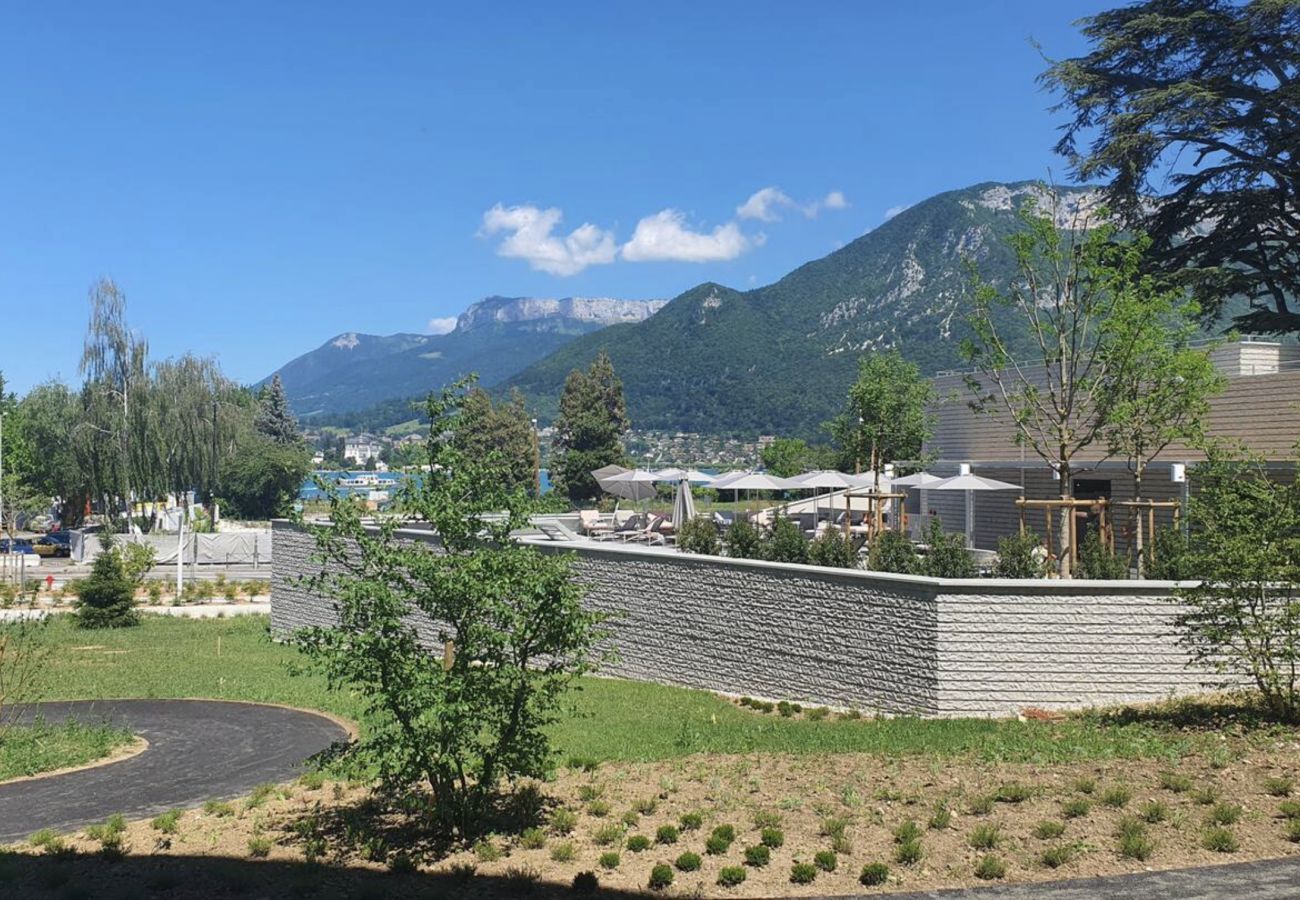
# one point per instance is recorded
(891, 643)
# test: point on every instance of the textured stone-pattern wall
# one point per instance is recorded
(1069, 645)
(746, 628)
(875, 642)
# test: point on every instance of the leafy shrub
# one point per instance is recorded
(259, 847)
(990, 868)
(730, 876)
(1057, 855)
(725, 832)
(219, 808)
(715, 845)
(803, 873)
(1290, 809)
(532, 839)
(941, 819)
(908, 852)
(1013, 792)
(980, 806)
(667, 834)
(985, 837)
(1167, 558)
(833, 549)
(699, 535)
(167, 822)
(661, 876)
(585, 883)
(1084, 785)
(691, 821)
(608, 834)
(486, 851)
(1133, 840)
(608, 860)
(1048, 829)
(817, 713)
(631, 818)
(562, 852)
(1206, 795)
(785, 542)
(638, 842)
(1293, 830)
(1220, 840)
(772, 837)
(946, 556)
(788, 709)
(766, 818)
(646, 806)
(589, 792)
(891, 551)
(758, 856)
(1020, 556)
(825, 860)
(874, 874)
(743, 541)
(689, 862)
(1098, 561)
(598, 808)
(563, 820)
(107, 598)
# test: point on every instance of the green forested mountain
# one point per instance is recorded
(779, 359)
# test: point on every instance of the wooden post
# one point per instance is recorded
(448, 655)
(1047, 520)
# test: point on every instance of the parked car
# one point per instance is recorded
(17, 545)
(53, 545)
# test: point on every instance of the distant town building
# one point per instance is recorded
(362, 448)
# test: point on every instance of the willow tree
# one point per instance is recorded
(114, 365)
(1190, 108)
(1080, 295)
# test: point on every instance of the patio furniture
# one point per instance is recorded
(593, 522)
(558, 531)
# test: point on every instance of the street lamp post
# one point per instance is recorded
(537, 461)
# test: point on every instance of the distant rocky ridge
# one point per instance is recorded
(494, 338)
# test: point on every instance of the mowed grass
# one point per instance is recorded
(235, 659)
(42, 746)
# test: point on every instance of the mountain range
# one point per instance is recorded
(495, 337)
(777, 359)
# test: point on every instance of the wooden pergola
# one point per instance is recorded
(1101, 508)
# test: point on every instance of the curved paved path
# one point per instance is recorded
(198, 750)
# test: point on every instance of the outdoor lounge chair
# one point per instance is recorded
(629, 529)
(654, 533)
(558, 531)
(593, 523)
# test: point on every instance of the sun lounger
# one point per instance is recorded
(558, 531)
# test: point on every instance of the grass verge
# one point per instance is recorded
(42, 746)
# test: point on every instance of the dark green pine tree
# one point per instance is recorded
(274, 419)
(592, 420)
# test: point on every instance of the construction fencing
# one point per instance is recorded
(237, 548)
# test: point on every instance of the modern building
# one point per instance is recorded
(362, 448)
(1259, 408)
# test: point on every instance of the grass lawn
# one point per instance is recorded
(41, 747)
(235, 659)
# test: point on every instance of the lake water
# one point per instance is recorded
(385, 481)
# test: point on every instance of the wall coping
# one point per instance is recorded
(925, 583)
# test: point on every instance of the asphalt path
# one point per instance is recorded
(198, 750)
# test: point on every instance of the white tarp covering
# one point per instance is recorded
(240, 547)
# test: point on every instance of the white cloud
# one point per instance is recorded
(529, 238)
(763, 205)
(665, 237)
(835, 200)
(440, 325)
(895, 210)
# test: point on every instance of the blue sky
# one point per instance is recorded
(258, 177)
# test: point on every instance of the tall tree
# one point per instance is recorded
(787, 457)
(886, 418)
(1191, 108)
(589, 428)
(113, 362)
(274, 418)
(52, 421)
(1081, 295)
(503, 431)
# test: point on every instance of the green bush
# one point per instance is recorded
(532, 839)
(730, 876)
(1117, 796)
(772, 837)
(1076, 808)
(891, 551)
(986, 837)
(563, 852)
(803, 873)
(608, 860)
(743, 540)
(1176, 782)
(638, 842)
(691, 821)
(907, 831)
(1019, 556)
(726, 832)
(1097, 561)
(667, 834)
(758, 856)
(689, 862)
(563, 820)
(1153, 812)
(585, 883)
(716, 845)
(1220, 840)
(946, 556)
(874, 874)
(826, 860)
(833, 549)
(1224, 814)
(699, 535)
(1013, 792)
(661, 876)
(1133, 840)
(990, 868)
(1280, 786)
(785, 542)
(908, 852)
(1049, 829)
(1167, 557)
(1057, 855)
(107, 597)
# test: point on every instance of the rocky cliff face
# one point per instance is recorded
(585, 310)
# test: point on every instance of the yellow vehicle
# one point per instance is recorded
(52, 545)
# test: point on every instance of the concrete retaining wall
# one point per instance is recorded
(892, 643)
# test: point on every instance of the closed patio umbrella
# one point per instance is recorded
(683, 505)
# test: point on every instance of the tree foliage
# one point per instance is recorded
(503, 429)
(1243, 616)
(262, 479)
(787, 457)
(511, 616)
(274, 419)
(1196, 103)
(589, 428)
(886, 419)
(106, 598)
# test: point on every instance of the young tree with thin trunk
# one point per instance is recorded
(1080, 296)
(886, 419)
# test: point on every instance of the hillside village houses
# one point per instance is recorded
(362, 448)
(1258, 407)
